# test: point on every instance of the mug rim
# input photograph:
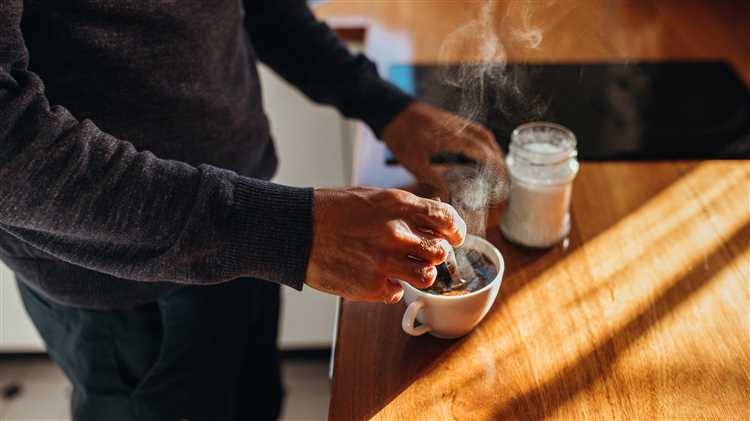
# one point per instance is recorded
(498, 278)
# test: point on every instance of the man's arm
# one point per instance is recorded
(308, 54)
(85, 197)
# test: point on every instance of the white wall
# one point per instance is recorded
(313, 144)
(17, 334)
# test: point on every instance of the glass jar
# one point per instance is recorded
(542, 164)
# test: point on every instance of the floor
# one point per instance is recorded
(44, 390)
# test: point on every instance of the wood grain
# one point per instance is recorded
(571, 31)
(644, 315)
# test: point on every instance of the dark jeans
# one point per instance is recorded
(201, 353)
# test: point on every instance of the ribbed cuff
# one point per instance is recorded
(271, 232)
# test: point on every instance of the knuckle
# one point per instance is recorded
(436, 212)
(400, 202)
(394, 231)
(461, 227)
(396, 195)
(427, 248)
(404, 241)
(427, 275)
(440, 253)
(436, 209)
(455, 223)
(448, 214)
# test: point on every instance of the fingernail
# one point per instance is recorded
(430, 275)
(462, 233)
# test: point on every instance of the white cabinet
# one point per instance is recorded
(313, 144)
(306, 322)
(17, 334)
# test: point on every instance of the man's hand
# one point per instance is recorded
(365, 238)
(422, 131)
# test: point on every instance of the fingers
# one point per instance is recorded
(441, 218)
(474, 149)
(483, 152)
(478, 143)
(418, 243)
(485, 136)
(419, 274)
(428, 249)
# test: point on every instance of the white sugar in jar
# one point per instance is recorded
(542, 165)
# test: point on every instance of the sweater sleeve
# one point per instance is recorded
(88, 198)
(308, 54)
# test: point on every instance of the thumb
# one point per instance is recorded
(394, 292)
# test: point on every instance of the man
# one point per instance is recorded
(134, 206)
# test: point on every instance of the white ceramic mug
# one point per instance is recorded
(452, 316)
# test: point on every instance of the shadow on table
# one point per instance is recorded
(407, 358)
(551, 395)
(399, 369)
(524, 265)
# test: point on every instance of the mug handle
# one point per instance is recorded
(410, 316)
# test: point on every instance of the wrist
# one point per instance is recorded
(323, 199)
(386, 103)
(268, 231)
(401, 126)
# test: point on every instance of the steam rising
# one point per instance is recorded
(473, 189)
(487, 86)
(483, 77)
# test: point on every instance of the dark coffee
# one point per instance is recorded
(477, 271)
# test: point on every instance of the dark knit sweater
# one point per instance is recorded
(134, 148)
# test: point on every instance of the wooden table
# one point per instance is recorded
(571, 31)
(644, 315)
